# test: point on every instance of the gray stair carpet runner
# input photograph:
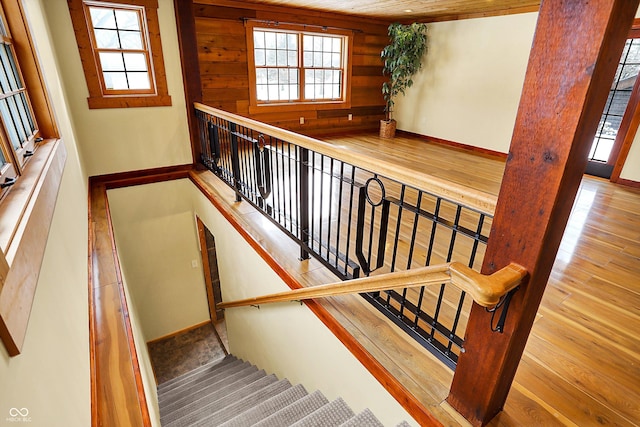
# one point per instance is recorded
(233, 393)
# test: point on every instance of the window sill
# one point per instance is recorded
(129, 101)
(25, 219)
(299, 106)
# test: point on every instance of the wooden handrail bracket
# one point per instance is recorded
(485, 290)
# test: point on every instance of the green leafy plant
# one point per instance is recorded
(402, 59)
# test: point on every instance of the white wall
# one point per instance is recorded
(51, 377)
(287, 339)
(156, 238)
(123, 139)
(469, 88)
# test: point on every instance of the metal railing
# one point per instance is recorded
(358, 217)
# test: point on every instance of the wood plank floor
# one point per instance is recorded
(581, 365)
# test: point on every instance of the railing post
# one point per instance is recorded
(235, 161)
(303, 201)
(566, 86)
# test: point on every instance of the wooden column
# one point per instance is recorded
(574, 56)
(185, 22)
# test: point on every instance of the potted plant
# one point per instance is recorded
(402, 59)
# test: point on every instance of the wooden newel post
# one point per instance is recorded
(574, 56)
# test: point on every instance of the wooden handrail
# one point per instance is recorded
(485, 290)
(475, 199)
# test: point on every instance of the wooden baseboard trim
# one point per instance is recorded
(485, 152)
(628, 182)
(141, 177)
(386, 379)
(179, 332)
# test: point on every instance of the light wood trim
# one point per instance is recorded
(179, 332)
(206, 268)
(478, 200)
(485, 290)
(26, 248)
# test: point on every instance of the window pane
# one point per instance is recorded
(135, 61)
(262, 93)
(283, 75)
(308, 91)
(326, 60)
(15, 116)
(259, 58)
(317, 59)
(273, 92)
(270, 40)
(115, 81)
(293, 76)
(270, 57)
(293, 92)
(102, 18)
(327, 44)
(4, 81)
(282, 58)
(14, 68)
(24, 101)
(127, 20)
(308, 59)
(9, 124)
(281, 41)
(337, 45)
(24, 117)
(292, 58)
(107, 39)
(284, 93)
(292, 42)
(258, 39)
(261, 76)
(317, 43)
(335, 60)
(7, 68)
(130, 39)
(139, 80)
(111, 61)
(272, 75)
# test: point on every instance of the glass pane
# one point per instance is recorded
(283, 76)
(272, 75)
(634, 51)
(7, 68)
(127, 20)
(24, 117)
(261, 76)
(318, 92)
(15, 116)
(292, 42)
(23, 99)
(14, 68)
(293, 76)
(281, 41)
(328, 76)
(9, 124)
(293, 92)
(135, 61)
(326, 60)
(270, 57)
(317, 59)
(262, 93)
(111, 61)
(130, 39)
(335, 60)
(284, 92)
(282, 58)
(102, 18)
(327, 44)
(292, 60)
(307, 42)
(270, 40)
(107, 39)
(337, 45)
(308, 91)
(317, 43)
(273, 92)
(3, 161)
(4, 81)
(258, 39)
(308, 59)
(139, 80)
(115, 81)
(603, 150)
(259, 58)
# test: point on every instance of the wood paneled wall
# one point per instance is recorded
(222, 55)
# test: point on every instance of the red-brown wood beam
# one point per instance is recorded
(188, 43)
(574, 56)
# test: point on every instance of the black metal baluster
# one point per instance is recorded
(235, 161)
(303, 202)
(349, 218)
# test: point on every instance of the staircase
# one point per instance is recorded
(232, 392)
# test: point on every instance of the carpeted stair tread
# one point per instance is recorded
(363, 419)
(294, 412)
(267, 408)
(404, 424)
(213, 392)
(214, 379)
(331, 414)
(245, 404)
(204, 369)
(189, 414)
